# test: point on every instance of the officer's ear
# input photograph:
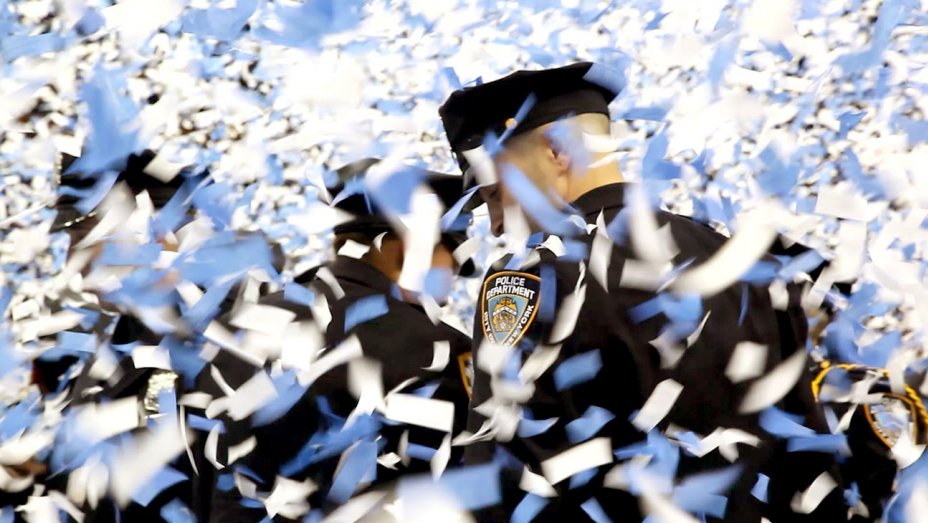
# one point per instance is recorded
(556, 153)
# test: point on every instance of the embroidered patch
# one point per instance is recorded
(466, 365)
(891, 417)
(508, 305)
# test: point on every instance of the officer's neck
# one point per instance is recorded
(598, 176)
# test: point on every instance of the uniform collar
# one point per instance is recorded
(345, 268)
(609, 196)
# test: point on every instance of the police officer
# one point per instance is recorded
(414, 351)
(569, 330)
(115, 327)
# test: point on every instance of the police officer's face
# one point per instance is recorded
(536, 162)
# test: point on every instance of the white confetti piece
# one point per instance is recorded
(775, 385)
(842, 201)
(917, 505)
(439, 461)
(139, 461)
(441, 356)
(251, 396)
(850, 251)
(289, 498)
(340, 355)
(151, 357)
(536, 484)
(97, 422)
(754, 236)
(591, 454)
(365, 382)
(262, 318)
(242, 449)
(658, 405)
(905, 451)
(748, 361)
(538, 362)
(568, 314)
(424, 412)
(806, 502)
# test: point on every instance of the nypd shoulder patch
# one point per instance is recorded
(508, 305)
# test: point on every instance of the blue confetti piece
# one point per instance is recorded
(610, 78)
(204, 310)
(364, 310)
(452, 220)
(806, 262)
(474, 487)
(90, 23)
(852, 495)
(6, 295)
(177, 512)
(595, 511)
(18, 417)
(529, 428)
(165, 478)
(527, 509)
(582, 478)
(878, 353)
(577, 369)
(702, 493)
(760, 488)
(451, 77)
(18, 46)
(656, 22)
(204, 424)
(520, 115)
(830, 443)
(359, 464)
(224, 256)
(723, 57)
(185, 360)
(782, 424)
(916, 130)
(113, 135)
(302, 25)
(548, 287)
(575, 250)
(125, 254)
(326, 445)
(173, 213)
(221, 24)
(225, 482)
(586, 426)
(217, 201)
(92, 197)
(392, 196)
(779, 176)
(420, 452)
(891, 14)
(657, 149)
(534, 202)
(849, 121)
(761, 272)
(745, 302)
(72, 343)
(296, 293)
(650, 113)
(437, 284)
(167, 402)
